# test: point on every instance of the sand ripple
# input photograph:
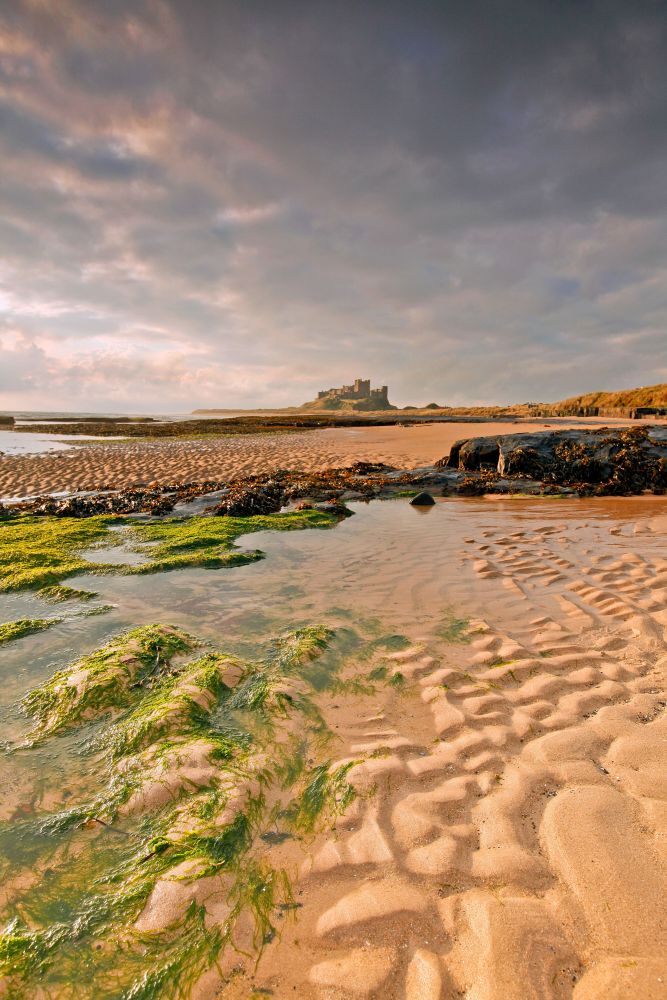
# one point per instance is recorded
(512, 839)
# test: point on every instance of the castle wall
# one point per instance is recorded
(360, 390)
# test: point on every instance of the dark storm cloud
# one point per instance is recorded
(236, 200)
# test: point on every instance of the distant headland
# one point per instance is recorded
(358, 396)
(644, 402)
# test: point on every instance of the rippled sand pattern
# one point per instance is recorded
(511, 838)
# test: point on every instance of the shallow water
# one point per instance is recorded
(28, 443)
(13, 443)
(391, 569)
(390, 562)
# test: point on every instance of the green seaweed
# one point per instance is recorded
(104, 677)
(59, 592)
(263, 690)
(64, 954)
(397, 680)
(171, 704)
(209, 541)
(181, 954)
(351, 686)
(24, 626)
(453, 629)
(73, 933)
(261, 890)
(25, 952)
(99, 609)
(385, 643)
(40, 552)
(296, 648)
(326, 795)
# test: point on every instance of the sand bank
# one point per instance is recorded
(94, 465)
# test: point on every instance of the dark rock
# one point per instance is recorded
(370, 468)
(471, 454)
(335, 508)
(352, 495)
(422, 500)
(604, 460)
(478, 452)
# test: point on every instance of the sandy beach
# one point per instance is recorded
(99, 464)
(513, 838)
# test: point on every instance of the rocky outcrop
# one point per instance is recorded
(242, 502)
(422, 500)
(602, 461)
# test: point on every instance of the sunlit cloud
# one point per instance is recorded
(234, 204)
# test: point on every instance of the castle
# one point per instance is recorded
(360, 390)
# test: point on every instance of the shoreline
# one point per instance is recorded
(96, 466)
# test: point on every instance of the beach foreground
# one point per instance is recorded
(497, 827)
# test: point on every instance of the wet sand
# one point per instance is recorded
(509, 838)
(510, 841)
(95, 465)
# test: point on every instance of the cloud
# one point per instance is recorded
(237, 202)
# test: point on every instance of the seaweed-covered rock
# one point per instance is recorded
(122, 502)
(241, 502)
(628, 460)
(370, 468)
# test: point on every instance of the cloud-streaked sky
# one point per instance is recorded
(238, 202)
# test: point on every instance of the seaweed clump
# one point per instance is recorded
(208, 542)
(620, 464)
(10, 631)
(38, 552)
(104, 679)
(209, 761)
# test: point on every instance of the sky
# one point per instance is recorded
(236, 203)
